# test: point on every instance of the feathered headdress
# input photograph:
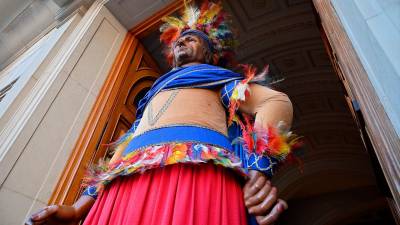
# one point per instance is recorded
(210, 22)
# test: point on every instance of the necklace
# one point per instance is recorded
(151, 119)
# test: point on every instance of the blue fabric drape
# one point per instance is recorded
(196, 76)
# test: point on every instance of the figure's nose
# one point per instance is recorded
(180, 42)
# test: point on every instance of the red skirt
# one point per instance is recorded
(180, 194)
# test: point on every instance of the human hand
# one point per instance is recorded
(261, 199)
(54, 214)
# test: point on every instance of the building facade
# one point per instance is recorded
(72, 71)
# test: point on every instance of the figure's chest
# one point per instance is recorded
(188, 99)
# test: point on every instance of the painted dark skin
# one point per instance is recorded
(190, 50)
(261, 198)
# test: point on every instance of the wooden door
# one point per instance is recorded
(139, 77)
(376, 132)
(120, 95)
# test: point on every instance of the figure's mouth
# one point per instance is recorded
(181, 47)
(182, 50)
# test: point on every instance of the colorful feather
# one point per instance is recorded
(212, 21)
(170, 35)
(210, 14)
(190, 16)
(173, 21)
(270, 141)
(161, 155)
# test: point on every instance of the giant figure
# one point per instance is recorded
(204, 145)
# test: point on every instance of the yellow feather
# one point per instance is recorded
(210, 13)
(173, 21)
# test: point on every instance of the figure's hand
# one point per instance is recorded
(54, 214)
(261, 199)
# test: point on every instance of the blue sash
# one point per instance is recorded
(179, 133)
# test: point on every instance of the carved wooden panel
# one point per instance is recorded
(138, 79)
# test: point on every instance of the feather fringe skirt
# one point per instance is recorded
(180, 194)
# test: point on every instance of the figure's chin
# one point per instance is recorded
(182, 55)
(182, 60)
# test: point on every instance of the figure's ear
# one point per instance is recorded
(171, 56)
(208, 56)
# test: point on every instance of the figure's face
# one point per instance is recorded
(190, 49)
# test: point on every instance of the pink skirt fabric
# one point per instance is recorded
(180, 194)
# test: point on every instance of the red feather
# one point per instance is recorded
(204, 7)
(233, 106)
(249, 71)
(170, 35)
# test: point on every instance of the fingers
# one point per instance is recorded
(253, 176)
(265, 206)
(261, 199)
(252, 189)
(259, 196)
(44, 214)
(283, 204)
(273, 216)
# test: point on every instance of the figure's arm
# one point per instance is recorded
(273, 113)
(269, 107)
(62, 214)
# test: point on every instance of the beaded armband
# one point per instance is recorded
(268, 147)
(91, 191)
